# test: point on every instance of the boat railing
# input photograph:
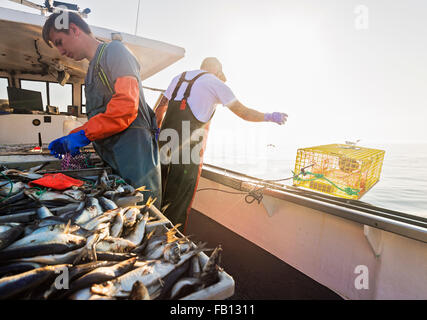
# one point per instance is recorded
(411, 226)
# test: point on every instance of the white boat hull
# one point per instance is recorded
(352, 259)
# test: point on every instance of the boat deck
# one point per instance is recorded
(258, 275)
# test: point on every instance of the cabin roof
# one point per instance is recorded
(23, 50)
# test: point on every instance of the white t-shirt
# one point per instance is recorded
(206, 93)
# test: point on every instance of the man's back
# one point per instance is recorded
(206, 93)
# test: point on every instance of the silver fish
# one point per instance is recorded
(15, 198)
(122, 286)
(114, 256)
(184, 287)
(11, 190)
(92, 201)
(107, 204)
(44, 212)
(115, 245)
(117, 225)
(38, 168)
(100, 234)
(210, 270)
(120, 189)
(83, 294)
(98, 297)
(172, 252)
(42, 244)
(130, 200)
(4, 183)
(139, 292)
(103, 181)
(82, 269)
(9, 233)
(138, 233)
(18, 217)
(57, 228)
(72, 207)
(13, 285)
(76, 272)
(75, 194)
(130, 216)
(195, 269)
(48, 196)
(29, 229)
(52, 221)
(22, 174)
(54, 259)
(109, 194)
(100, 275)
(156, 253)
(127, 188)
(105, 217)
(18, 267)
(86, 215)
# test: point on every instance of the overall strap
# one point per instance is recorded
(101, 74)
(190, 84)
(188, 90)
(178, 85)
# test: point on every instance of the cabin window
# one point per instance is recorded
(36, 86)
(61, 96)
(4, 82)
(83, 104)
(53, 93)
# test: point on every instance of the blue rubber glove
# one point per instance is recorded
(69, 144)
(277, 117)
(56, 148)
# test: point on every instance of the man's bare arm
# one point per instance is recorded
(246, 113)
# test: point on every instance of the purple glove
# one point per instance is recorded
(277, 117)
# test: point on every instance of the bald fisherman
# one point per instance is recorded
(187, 107)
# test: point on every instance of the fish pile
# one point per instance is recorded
(94, 242)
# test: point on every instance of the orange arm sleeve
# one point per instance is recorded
(121, 111)
(161, 110)
(77, 129)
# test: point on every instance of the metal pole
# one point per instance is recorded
(137, 16)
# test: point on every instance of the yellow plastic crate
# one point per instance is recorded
(341, 170)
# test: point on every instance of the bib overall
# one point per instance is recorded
(180, 179)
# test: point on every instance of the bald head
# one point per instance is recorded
(212, 65)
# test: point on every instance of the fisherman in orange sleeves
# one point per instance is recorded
(121, 126)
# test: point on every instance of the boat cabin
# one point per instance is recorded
(47, 89)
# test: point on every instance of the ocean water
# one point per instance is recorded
(403, 181)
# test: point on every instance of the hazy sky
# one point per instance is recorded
(342, 70)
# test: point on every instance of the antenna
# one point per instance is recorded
(137, 16)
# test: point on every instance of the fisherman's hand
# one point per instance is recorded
(75, 141)
(69, 144)
(57, 147)
(277, 117)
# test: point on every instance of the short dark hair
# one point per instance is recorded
(72, 18)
